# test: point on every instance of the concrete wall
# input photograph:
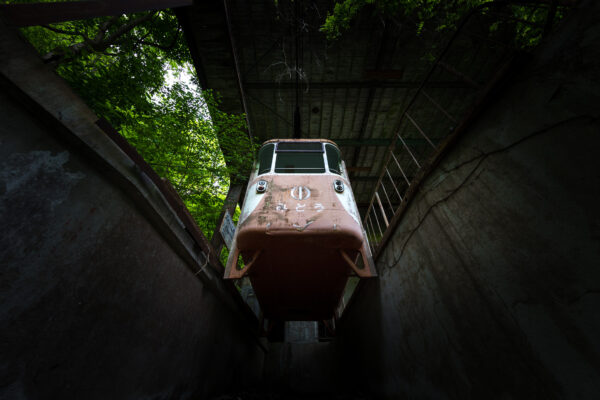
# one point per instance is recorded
(103, 293)
(490, 286)
(301, 369)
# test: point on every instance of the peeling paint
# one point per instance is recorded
(302, 228)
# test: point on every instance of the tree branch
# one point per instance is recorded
(99, 44)
(161, 46)
(104, 28)
(61, 31)
(123, 30)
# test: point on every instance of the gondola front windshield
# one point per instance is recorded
(299, 158)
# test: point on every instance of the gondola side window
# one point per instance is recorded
(299, 158)
(265, 158)
(333, 159)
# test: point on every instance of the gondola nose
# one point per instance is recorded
(299, 234)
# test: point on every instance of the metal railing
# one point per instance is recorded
(431, 120)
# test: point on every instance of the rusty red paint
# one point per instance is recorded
(299, 244)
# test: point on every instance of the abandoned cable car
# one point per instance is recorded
(299, 231)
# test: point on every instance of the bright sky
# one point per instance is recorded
(183, 75)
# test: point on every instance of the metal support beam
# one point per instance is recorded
(366, 84)
(49, 13)
(459, 74)
(365, 178)
(236, 65)
(358, 169)
(370, 97)
(373, 142)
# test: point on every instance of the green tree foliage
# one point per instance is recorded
(119, 65)
(446, 13)
(437, 15)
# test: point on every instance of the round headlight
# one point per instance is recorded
(261, 186)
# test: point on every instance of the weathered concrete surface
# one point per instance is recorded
(488, 289)
(301, 332)
(301, 369)
(490, 286)
(103, 293)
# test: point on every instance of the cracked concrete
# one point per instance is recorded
(433, 190)
(488, 288)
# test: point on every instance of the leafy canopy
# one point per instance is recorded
(419, 11)
(129, 70)
(436, 15)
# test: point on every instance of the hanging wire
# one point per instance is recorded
(299, 55)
